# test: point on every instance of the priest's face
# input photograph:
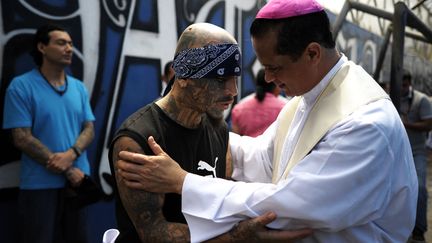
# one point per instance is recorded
(294, 77)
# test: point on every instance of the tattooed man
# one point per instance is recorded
(188, 122)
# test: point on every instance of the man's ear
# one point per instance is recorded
(314, 52)
(183, 83)
(40, 47)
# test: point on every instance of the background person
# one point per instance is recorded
(167, 76)
(416, 114)
(256, 112)
(52, 124)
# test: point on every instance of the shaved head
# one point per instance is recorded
(202, 34)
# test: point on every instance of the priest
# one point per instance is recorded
(337, 159)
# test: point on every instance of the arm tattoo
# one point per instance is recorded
(24, 140)
(246, 231)
(145, 208)
(86, 135)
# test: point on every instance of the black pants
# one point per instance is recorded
(46, 217)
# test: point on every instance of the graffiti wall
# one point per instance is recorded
(120, 48)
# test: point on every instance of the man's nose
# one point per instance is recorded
(69, 47)
(231, 86)
(269, 76)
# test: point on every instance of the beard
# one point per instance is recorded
(216, 114)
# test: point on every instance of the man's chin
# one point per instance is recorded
(216, 114)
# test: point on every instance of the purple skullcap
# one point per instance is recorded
(279, 9)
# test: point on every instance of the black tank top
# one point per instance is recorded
(200, 151)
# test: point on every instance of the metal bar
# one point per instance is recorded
(382, 53)
(414, 22)
(417, 37)
(399, 24)
(337, 26)
(418, 4)
(371, 10)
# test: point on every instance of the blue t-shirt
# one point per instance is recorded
(56, 120)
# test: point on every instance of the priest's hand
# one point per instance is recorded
(154, 173)
(255, 230)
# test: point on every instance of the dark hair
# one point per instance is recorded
(42, 36)
(295, 33)
(262, 87)
(406, 75)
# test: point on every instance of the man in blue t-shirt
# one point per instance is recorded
(51, 123)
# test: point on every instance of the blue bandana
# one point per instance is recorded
(211, 61)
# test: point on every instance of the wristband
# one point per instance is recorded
(77, 151)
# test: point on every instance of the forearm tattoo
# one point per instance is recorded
(86, 136)
(145, 208)
(243, 232)
(31, 146)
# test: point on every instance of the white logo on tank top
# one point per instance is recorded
(205, 166)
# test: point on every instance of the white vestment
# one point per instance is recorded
(355, 182)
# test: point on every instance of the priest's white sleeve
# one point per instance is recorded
(252, 157)
(209, 223)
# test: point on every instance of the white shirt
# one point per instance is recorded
(358, 184)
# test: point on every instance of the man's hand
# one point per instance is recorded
(255, 230)
(154, 173)
(60, 162)
(75, 176)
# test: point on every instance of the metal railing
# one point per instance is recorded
(401, 18)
